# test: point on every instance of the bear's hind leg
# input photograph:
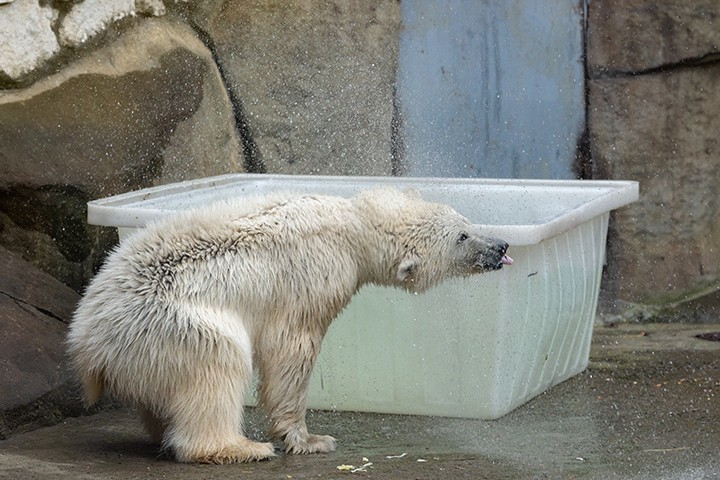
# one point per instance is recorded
(206, 426)
(205, 411)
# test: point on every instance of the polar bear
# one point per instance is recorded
(182, 311)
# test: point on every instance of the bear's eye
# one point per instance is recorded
(463, 236)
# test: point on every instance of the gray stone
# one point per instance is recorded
(662, 131)
(27, 285)
(26, 37)
(640, 35)
(36, 387)
(315, 79)
(87, 18)
(148, 108)
(102, 124)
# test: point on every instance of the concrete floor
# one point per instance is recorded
(647, 408)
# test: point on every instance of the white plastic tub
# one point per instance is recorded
(475, 347)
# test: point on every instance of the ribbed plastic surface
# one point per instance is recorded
(475, 347)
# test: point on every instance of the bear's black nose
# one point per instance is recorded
(503, 247)
(501, 259)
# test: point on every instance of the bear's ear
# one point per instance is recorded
(407, 268)
(412, 193)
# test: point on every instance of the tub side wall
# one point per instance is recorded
(476, 347)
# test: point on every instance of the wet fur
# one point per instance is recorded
(182, 311)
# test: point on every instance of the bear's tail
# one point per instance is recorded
(94, 384)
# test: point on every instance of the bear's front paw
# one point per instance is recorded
(311, 444)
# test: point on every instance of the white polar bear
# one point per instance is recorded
(183, 310)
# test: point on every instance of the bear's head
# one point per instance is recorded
(431, 242)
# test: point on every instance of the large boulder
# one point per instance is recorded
(36, 387)
(34, 34)
(149, 107)
(315, 80)
(653, 118)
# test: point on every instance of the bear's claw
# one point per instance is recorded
(312, 444)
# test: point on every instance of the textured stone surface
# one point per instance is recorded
(103, 123)
(33, 32)
(640, 35)
(26, 285)
(26, 37)
(315, 79)
(87, 18)
(35, 384)
(148, 108)
(661, 130)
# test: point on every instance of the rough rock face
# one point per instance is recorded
(33, 31)
(148, 108)
(315, 80)
(642, 35)
(668, 240)
(654, 96)
(34, 310)
(26, 37)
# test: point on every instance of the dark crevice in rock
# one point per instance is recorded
(251, 152)
(50, 314)
(397, 143)
(29, 307)
(708, 59)
(583, 164)
(61, 8)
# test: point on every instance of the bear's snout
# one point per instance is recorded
(493, 254)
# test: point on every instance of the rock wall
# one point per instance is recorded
(103, 96)
(315, 80)
(654, 98)
(145, 106)
(36, 388)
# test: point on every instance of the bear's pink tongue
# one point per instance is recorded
(506, 260)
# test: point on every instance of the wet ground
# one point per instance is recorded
(647, 408)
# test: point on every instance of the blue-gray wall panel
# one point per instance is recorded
(491, 89)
